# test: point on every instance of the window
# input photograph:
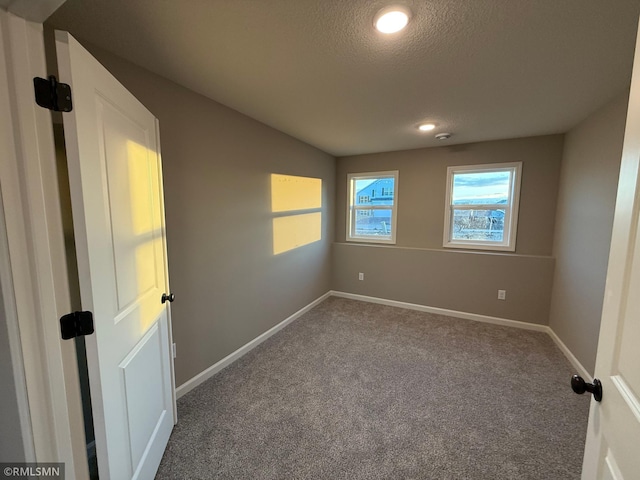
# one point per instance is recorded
(371, 218)
(482, 206)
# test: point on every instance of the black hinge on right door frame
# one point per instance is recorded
(52, 95)
(76, 324)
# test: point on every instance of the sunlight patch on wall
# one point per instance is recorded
(302, 195)
(295, 231)
(290, 193)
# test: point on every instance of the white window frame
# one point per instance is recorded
(511, 209)
(351, 206)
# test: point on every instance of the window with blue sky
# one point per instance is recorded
(371, 215)
(482, 206)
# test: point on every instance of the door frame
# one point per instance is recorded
(35, 285)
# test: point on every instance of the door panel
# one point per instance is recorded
(129, 173)
(611, 472)
(627, 358)
(134, 221)
(613, 434)
(144, 384)
(115, 176)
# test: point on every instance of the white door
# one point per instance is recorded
(613, 437)
(116, 188)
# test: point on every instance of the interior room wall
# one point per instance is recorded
(586, 201)
(217, 166)
(419, 270)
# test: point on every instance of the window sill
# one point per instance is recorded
(371, 240)
(480, 246)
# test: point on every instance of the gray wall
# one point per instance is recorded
(419, 270)
(229, 286)
(586, 202)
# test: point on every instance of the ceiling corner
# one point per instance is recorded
(33, 10)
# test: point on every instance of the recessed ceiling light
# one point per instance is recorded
(392, 19)
(426, 127)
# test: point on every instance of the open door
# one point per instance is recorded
(115, 175)
(613, 434)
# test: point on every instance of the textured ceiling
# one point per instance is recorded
(317, 70)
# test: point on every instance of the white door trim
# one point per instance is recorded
(7, 157)
(13, 333)
(36, 252)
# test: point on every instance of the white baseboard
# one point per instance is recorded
(232, 357)
(215, 368)
(443, 311)
(570, 356)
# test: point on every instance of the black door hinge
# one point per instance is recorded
(52, 95)
(76, 324)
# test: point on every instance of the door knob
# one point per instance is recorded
(168, 298)
(579, 386)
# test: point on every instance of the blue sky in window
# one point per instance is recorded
(478, 187)
(360, 184)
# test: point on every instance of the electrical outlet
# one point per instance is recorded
(502, 294)
(361, 276)
(174, 350)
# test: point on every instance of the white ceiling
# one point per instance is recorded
(317, 70)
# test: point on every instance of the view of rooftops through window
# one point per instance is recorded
(487, 191)
(373, 222)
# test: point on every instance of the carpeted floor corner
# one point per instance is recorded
(354, 390)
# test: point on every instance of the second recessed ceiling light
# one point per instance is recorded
(426, 127)
(392, 19)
